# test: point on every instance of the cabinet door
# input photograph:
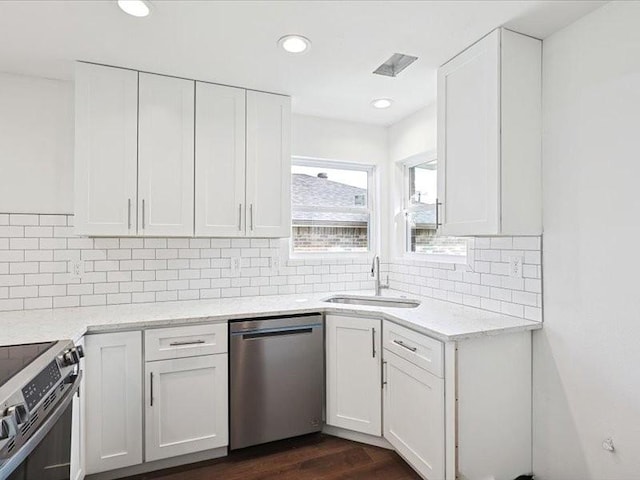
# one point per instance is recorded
(166, 146)
(268, 165)
(354, 397)
(106, 136)
(186, 406)
(469, 140)
(77, 461)
(220, 160)
(414, 415)
(113, 395)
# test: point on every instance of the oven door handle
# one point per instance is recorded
(29, 446)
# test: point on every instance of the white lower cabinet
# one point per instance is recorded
(414, 415)
(113, 395)
(186, 406)
(354, 396)
(77, 460)
(458, 410)
(182, 394)
(451, 410)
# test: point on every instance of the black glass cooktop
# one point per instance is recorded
(15, 357)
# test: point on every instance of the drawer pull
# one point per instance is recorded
(188, 342)
(404, 345)
(373, 342)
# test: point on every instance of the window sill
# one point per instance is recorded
(331, 256)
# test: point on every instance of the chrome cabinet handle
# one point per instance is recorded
(438, 204)
(240, 217)
(129, 213)
(373, 342)
(187, 342)
(404, 345)
(251, 215)
(143, 213)
(151, 388)
(384, 374)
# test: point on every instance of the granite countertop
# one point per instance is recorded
(439, 319)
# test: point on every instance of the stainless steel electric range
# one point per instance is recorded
(37, 384)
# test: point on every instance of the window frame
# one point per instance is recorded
(371, 207)
(410, 162)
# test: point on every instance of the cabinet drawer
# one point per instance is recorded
(423, 351)
(189, 341)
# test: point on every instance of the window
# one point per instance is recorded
(421, 186)
(331, 206)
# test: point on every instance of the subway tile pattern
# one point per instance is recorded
(37, 253)
(486, 282)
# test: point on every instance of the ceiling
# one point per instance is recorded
(234, 42)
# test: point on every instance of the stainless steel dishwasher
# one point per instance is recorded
(276, 378)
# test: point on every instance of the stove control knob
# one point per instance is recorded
(19, 412)
(4, 429)
(72, 356)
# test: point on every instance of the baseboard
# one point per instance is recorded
(222, 452)
(159, 464)
(357, 437)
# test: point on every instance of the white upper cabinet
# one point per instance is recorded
(106, 137)
(489, 137)
(268, 165)
(220, 160)
(165, 156)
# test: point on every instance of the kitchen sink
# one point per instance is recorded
(374, 301)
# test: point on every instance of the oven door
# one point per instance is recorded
(47, 454)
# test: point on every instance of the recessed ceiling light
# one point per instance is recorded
(382, 103)
(136, 8)
(295, 43)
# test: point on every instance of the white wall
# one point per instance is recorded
(36, 145)
(414, 134)
(338, 140)
(330, 139)
(411, 136)
(587, 357)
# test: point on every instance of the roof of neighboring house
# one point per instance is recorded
(425, 217)
(310, 190)
(307, 190)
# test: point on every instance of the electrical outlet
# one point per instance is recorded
(76, 268)
(236, 266)
(515, 267)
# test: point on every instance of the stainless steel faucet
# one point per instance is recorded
(375, 272)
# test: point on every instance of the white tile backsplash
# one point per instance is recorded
(36, 252)
(486, 283)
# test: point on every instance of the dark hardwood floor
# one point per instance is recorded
(314, 457)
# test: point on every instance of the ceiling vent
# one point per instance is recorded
(396, 64)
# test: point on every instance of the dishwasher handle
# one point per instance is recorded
(276, 333)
